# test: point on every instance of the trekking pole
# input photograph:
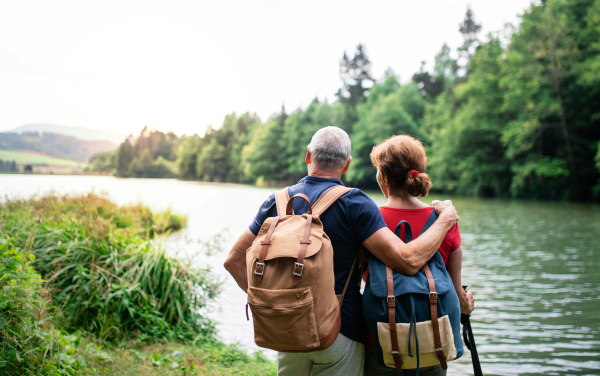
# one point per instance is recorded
(470, 341)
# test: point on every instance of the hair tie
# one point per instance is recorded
(413, 173)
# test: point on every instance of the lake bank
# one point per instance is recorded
(78, 271)
(531, 266)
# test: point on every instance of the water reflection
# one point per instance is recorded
(532, 267)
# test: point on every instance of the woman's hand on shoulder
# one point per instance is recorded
(446, 211)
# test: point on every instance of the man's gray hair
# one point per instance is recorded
(330, 148)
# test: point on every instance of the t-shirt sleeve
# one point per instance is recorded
(454, 236)
(266, 210)
(363, 214)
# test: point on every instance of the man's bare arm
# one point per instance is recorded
(409, 258)
(236, 261)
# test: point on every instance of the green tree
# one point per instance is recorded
(213, 162)
(467, 155)
(391, 109)
(141, 166)
(355, 73)
(187, 156)
(103, 162)
(263, 157)
(537, 136)
(469, 30)
(125, 155)
(430, 86)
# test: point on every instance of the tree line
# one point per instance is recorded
(511, 114)
(8, 166)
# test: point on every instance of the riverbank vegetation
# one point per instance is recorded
(86, 288)
(510, 114)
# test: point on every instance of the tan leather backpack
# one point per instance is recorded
(291, 284)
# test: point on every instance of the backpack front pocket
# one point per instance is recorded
(426, 348)
(284, 320)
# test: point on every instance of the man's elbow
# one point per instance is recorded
(411, 266)
(227, 265)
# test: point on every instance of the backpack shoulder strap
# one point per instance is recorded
(430, 221)
(328, 198)
(281, 199)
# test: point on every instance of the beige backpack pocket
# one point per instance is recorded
(284, 320)
(426, 345)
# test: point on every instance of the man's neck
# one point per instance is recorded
(325, 174)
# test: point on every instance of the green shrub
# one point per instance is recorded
(29, 345)
(107, 278)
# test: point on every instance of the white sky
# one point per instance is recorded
(182, 65)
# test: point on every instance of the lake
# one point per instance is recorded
(532, 266)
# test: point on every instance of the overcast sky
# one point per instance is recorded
(182, 65)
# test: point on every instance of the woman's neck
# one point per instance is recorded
(404, 202)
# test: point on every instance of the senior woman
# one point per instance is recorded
(401, 162)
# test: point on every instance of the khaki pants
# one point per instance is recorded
(344, 357)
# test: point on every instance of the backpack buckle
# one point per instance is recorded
(391, 301)
(262, 268)
(433, 297)
(296, 266)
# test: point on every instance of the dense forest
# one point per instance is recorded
(54, 144)
(512, 114)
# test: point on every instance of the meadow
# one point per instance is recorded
(23, 157)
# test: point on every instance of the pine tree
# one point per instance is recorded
(469, 30)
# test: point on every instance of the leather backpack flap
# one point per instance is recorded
(285, 240)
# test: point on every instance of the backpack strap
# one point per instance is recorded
(391, 303)
(281, 200)
(433, 302)
(407, 231)
(259, 267)
(328, 198)
(430, 221)
(341, 297)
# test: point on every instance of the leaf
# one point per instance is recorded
(81, 361)
(177, 355)
(174, 364)
(66, 358)
(155, 356)
(192, 366)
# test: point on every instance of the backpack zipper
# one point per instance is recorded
(281, 308)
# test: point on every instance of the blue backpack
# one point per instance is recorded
(410, 315)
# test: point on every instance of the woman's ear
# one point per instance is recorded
(383, 185)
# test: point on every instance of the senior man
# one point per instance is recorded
(352, 221)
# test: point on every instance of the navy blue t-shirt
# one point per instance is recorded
(348, 223)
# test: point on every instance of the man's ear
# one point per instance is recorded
(307, 160)
(347, 165)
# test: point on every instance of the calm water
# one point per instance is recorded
(532, 266)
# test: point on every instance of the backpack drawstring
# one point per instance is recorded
(413, 326)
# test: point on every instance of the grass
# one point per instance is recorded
(23, 157)
(86, 289)
(204, 357)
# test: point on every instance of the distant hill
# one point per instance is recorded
(78, 132)
(55, 145)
